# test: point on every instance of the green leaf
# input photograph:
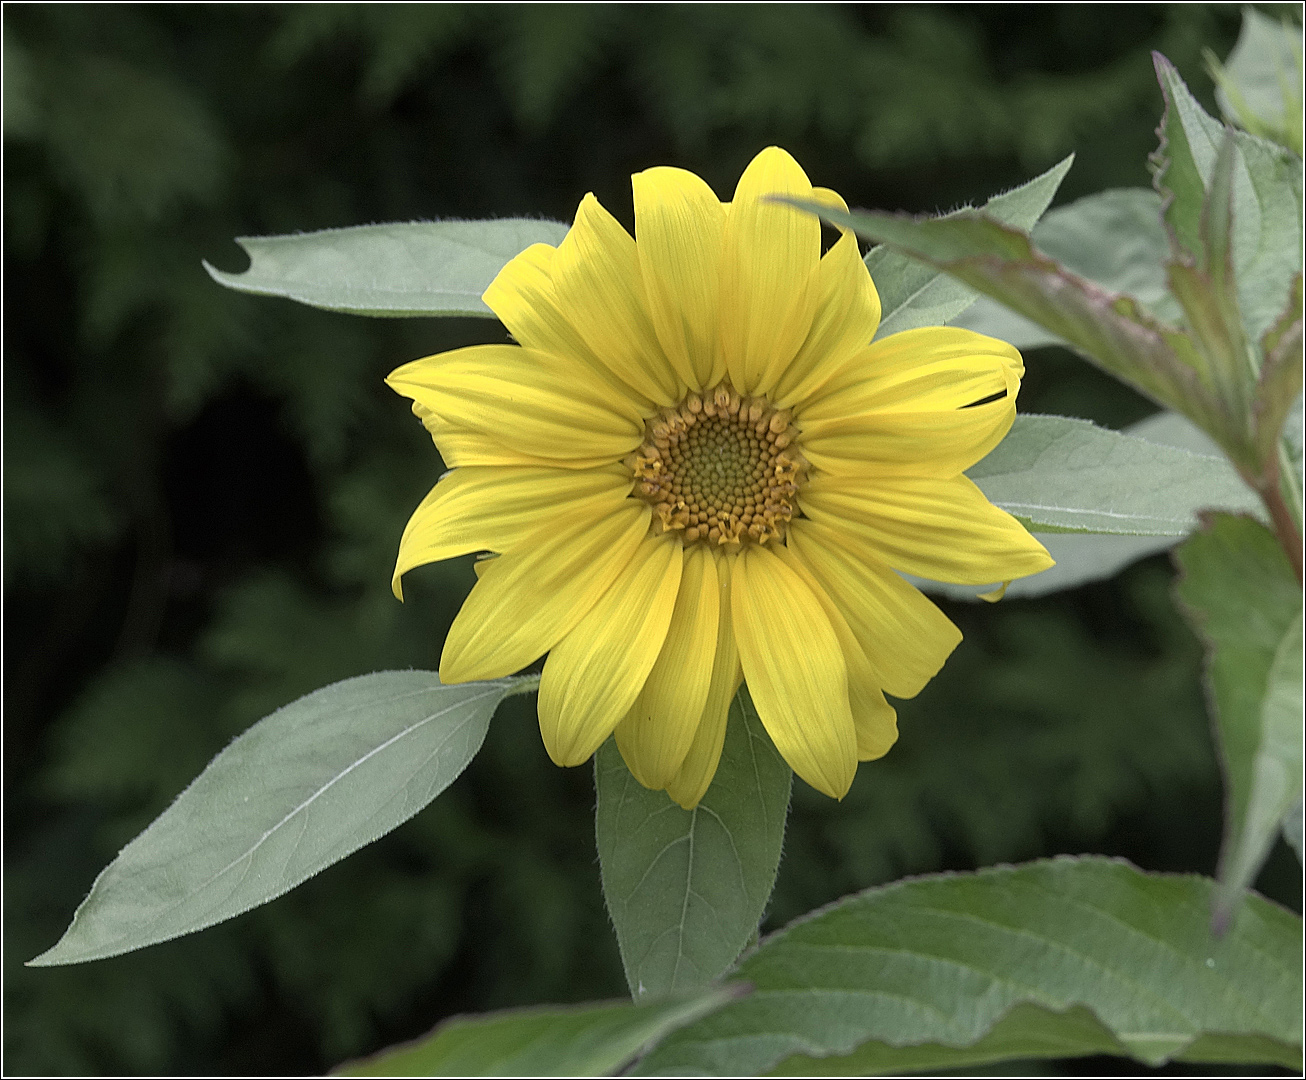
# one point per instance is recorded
(1266, 188)
(1113, 238)
(686, 888)
(595, 1039)
(914, 294)
(1111, 330)
(1246, 603)
(1013, 956)
(1063, 475)
(1084, 557)
(1259, 87)
(417, 268)
(298, 791)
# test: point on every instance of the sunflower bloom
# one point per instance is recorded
(694, 469)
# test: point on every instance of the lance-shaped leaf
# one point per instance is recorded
(595, 1039)
(1278, 390)
(405, 268)
(298, 791)
(1246, 603)
(1058, 474)
(1067, 956)
(686, 889)
(915, 294)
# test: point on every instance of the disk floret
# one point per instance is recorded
(721, 468)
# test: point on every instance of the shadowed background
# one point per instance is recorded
(204, 491)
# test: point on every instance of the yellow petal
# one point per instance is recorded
(769, 261)
(905, 637)
(846, 317)
(657, 733)
(690, 784)
(678, 227)
(550, 407)
(945, 530)
(524, 297)
(939, 444)
(875, 720)
(461, 446)
(492, 508)
(923, 370)
(594, 674)
(526, 600)
(795, 670)
(598, 283)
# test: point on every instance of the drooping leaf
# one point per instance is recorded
(594, 1039)
(413, 268)
(1245, 601)
(1058, 474)
(1113, 238)
(914, 294)
(686, 889)
(1025, 957)
(298, 791)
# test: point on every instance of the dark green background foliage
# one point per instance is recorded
(204, 491)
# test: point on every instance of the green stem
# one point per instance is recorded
(1286, 526)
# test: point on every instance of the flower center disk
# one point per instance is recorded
(720, 467)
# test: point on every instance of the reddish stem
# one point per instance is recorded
(1284, 526)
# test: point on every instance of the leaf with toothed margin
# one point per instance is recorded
(1053, 958)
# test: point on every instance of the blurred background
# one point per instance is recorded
(204, 491)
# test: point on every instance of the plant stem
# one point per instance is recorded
(1285, 526)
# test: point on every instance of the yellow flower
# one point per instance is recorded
(695, 469)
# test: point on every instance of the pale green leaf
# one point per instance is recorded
(298, 791)
(594, 1039)
(1292, 830)
(1267, 194)
(1113, 238)
(416, 268)
(1058, 474)
(1085, 557)
(1246, 603)
(1259, 87)
(686, 889)
(1113, 331)
(951, 960)
(915, 294)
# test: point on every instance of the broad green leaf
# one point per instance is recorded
(686, 888)
(1113, 238)
(298, 791)
(595, 1039)
(950, 960)
(1246, 603)
(1063, 475)
(414, 268)
(914, 294)
(1259, 87)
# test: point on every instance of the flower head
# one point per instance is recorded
(695, 469)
